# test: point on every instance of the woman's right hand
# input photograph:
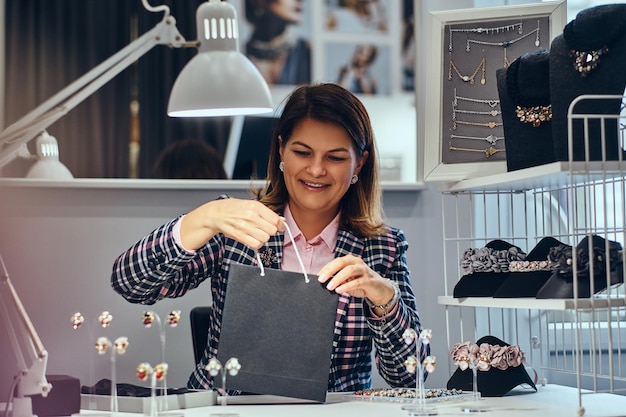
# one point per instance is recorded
(247, 221)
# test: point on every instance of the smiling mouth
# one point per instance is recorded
(314, 185)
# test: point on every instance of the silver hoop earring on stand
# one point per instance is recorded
(354, 179)
(281, 166)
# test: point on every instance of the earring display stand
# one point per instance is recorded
(103, 320)
(415, 364)
(162, 403)
(474, 406)
(112, 403)
(232, 367)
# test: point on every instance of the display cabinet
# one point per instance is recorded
(569, 337)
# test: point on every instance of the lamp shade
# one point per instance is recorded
(219, 80)
(48, 165)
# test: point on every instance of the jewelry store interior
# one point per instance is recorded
(500, 131)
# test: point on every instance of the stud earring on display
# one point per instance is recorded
(354, 179)
(281, 166)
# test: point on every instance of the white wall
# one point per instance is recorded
(59, 244)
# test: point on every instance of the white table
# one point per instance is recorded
(550, 400)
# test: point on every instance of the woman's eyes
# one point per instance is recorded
(331, 157)
(336, 158)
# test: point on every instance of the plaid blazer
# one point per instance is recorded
(156, 267)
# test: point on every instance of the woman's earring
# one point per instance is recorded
(281, 166)
(354, 179)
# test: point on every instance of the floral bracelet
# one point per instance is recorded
(490, 260)
(486, 356)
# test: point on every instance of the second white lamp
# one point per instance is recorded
(219, 80)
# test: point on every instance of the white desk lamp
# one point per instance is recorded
(218, 81)
(31, 379)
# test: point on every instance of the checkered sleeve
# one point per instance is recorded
(156, 267)
(390, 347)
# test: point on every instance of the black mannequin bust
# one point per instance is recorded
(589, 57)
(524, 92)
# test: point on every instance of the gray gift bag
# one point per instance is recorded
(281, 329)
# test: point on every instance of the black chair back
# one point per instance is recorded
(200, 320)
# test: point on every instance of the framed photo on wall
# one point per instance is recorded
(278, 39)
(464, 137)
(362, 17)
(363, 68)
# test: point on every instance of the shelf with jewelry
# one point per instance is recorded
(466, 136)
(535, 256)
(475, 108)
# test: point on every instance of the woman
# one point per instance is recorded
(323, 184)
(273, 47)
(356, 76)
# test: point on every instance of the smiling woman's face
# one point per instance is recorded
(319, 162)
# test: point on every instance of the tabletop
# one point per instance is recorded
(549, 400)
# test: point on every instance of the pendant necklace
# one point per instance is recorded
(467, 78)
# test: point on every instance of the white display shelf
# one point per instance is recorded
(533, 303)
(553, 175)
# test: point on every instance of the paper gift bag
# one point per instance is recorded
(281, 329)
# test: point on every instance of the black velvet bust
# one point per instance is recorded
(524, 92)
(599, 31)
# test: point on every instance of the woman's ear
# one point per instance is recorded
(361, 162)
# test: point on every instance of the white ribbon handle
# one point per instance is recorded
(295, 248)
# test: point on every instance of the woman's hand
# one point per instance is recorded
(247, 221)
(350, 275)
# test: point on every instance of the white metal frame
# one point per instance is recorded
(580, 341)
(434, 168)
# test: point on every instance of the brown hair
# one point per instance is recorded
(189, 159)
(361, 206)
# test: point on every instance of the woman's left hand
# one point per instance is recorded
(350, 275)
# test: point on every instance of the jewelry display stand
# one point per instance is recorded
(465, 138)
(415, 365)
(475, 116)
(474, 406)
(160, 371)
(102, 344)
(232, 367)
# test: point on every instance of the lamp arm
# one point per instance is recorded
(31, 379)
(33, 123)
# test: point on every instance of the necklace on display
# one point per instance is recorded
(490, 139)
(505, 44)
(585, 62)
(586, 49)
(490, 31)
(467, 78)
(492, 113)
(528, 109)
(493, 103)
(490, 125)
(488, 152)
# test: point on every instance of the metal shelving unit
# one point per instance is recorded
(579, 342)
